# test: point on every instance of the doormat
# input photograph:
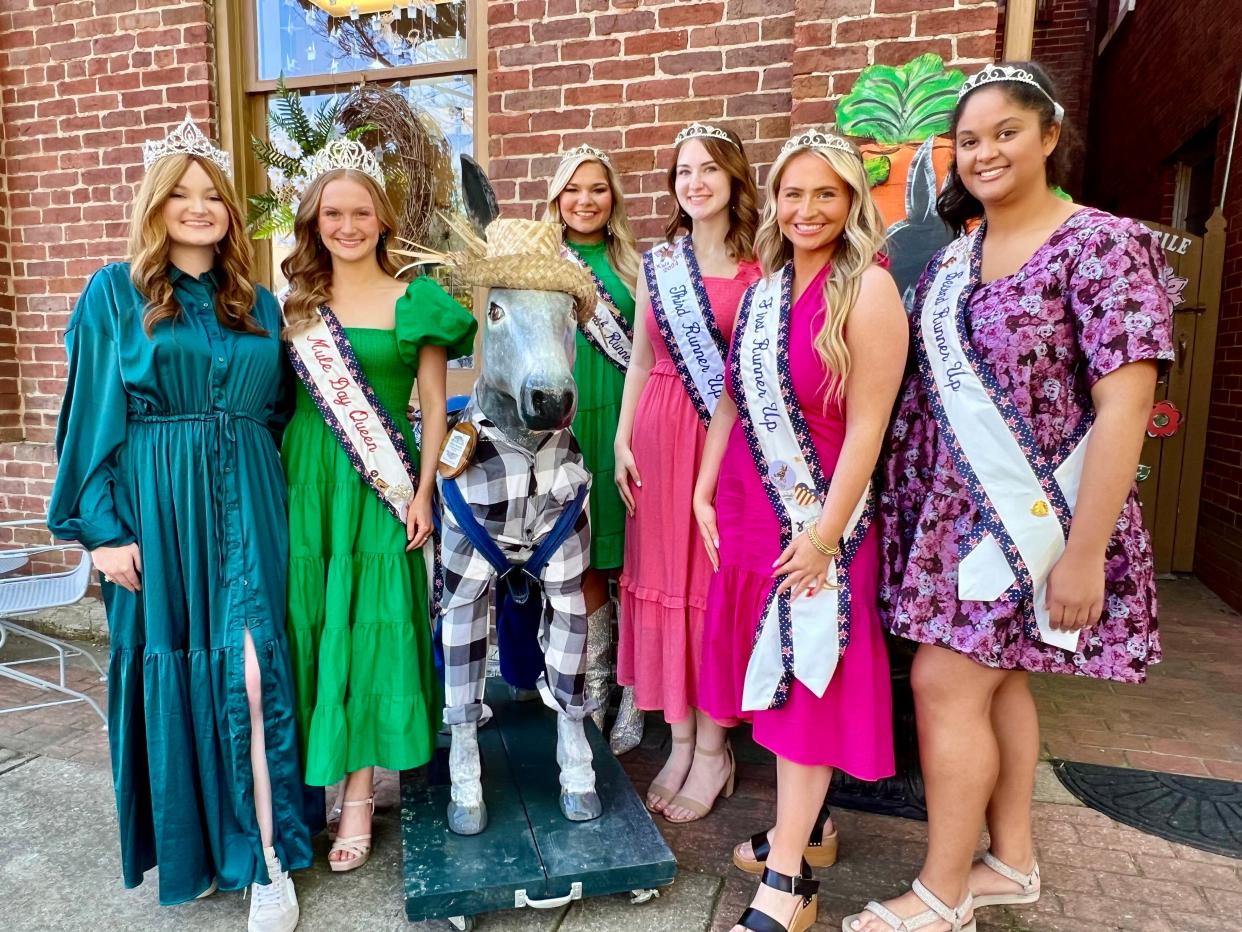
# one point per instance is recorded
(1196, 811)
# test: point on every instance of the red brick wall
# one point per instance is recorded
(1168, 73)
(623, 78)
(84, 83)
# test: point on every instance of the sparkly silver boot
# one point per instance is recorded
(598, 667)
(627, 730)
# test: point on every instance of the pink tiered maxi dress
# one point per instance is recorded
(666, 573)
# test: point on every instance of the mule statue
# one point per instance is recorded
(513, 486)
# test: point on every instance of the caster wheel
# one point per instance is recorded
(462, 923)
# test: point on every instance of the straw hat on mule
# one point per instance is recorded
(523, 255)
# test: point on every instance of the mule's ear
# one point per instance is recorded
(479, 196)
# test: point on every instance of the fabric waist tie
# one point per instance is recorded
(225, 456)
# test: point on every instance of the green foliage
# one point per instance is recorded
(908, 103)
(878, 168)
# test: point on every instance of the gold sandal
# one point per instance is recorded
(663, 794)
(357, 846)
(697, 809)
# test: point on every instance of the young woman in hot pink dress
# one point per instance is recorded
(792, 639)
(687, 299)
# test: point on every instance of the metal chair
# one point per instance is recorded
(30, 593)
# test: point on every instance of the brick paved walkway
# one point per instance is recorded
(1098, 875)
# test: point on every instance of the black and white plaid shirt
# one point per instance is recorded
(517, 497)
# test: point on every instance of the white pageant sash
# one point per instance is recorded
(684, 316)
(799, 638)
(325, 362)
(1025, 501)
(606, 329)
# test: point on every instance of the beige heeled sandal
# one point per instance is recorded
(700, 810)
(663, 794)
(358, 847)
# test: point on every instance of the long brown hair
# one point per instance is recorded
(743, 196)
(622, 244)
(308, 268)
(861, 241)
(150, 246)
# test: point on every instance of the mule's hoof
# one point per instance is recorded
(581, 807)
(523, 695)
(467, 820)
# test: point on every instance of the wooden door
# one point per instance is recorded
(1171, 470)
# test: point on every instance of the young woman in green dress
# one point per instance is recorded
(585, 198)
(170, 476)
(358, 625)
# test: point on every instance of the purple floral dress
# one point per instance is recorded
(1091, 299)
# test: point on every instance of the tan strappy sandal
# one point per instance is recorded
(358, 847)
(663, 794)
(936, 911)
(1028, 882)
(821, 850)
(699, 810)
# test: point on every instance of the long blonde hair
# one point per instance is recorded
(308, 267)
(150, 247)
(861, 241)
(622, 244)
(743, 196)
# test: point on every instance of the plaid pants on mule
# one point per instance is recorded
(517, 496)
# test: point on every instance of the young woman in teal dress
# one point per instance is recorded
(585, 198)
(169, 476)
(359, 627)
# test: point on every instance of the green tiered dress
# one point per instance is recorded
(358, 626)
(168, 441)
(600, 385)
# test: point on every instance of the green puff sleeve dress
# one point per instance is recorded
(600, 385)
(169, 441)
(358, 625)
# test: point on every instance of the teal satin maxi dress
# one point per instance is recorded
(170, 441)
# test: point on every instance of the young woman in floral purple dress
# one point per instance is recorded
(1012, 537)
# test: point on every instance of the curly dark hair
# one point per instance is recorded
(956, 205)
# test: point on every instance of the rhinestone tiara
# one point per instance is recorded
(702, 131)
(186, 139)
(1010, 73)
(343, 153)
(588, 152)
(817, 139)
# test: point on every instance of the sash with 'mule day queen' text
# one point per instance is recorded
(1025, 500)
(799, 638)
(325, 362)
(679, 304)
(606, 329)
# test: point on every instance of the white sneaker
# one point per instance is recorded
(273, 906)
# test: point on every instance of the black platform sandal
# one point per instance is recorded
(804, 916)
(821, 850)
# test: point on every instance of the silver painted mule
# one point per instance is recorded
(526, 391)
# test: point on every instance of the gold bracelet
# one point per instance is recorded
(819, 545)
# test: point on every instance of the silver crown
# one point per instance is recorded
(817, 139)
(703, 131)
(343, 153)
(1009, 73)
(588, 152)
(186, 139)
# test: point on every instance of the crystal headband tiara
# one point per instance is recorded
(588, 152)
(186, 139)
(343, 153)
(817, 139)
(1009, 73)
(703, 131)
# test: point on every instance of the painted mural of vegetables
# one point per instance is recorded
(899, 109)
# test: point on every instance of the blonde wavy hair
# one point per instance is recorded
(150, 247)
(743, 196)
(308, 267)
(861, 242)
(622, 244)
